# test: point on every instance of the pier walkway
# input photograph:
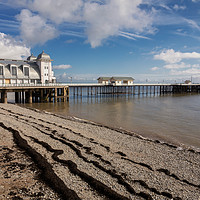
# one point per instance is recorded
(29, 93)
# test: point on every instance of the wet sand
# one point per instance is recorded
(46, 156)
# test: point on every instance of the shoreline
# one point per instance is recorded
(180, 146)
(98, 162)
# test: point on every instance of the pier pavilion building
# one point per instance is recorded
(116, 80)
(104, 80)
(33, 70)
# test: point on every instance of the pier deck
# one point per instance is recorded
(29, 93)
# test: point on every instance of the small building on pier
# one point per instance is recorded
(188, 82)
(116, 80)
(104, 80)
(33, 70)
(121, 80)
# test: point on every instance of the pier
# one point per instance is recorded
(33, 93)
(134, 89)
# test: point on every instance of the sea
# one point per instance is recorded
(170, 118)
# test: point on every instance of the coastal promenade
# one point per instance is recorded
(29, 93)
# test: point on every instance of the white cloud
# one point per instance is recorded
(177, 66)
(70, 41)
(100, 19)
(58, 11)
(170, 56)
(108, 19)
(131, 36)
(65, 77)
(193, 24)
(155, 68)
(34, 29)
(189, 72)
(10, 48)
(62, 66)
(177, 7)
(62, 77)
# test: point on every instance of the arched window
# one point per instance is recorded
(26, 71)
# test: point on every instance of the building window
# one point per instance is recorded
(26, 71)
(14, 71)
(1, 70)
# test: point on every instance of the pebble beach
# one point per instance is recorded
(47, 156)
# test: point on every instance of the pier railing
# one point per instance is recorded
(91, 84)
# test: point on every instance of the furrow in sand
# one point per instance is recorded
(113, 173)
(43, 126)
(96, 164)
(165, 171)
(94, 183)
(47, 173)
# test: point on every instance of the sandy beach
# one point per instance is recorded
(46, 156)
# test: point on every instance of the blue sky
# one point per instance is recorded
(150, 40)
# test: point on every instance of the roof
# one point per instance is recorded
(34, 72)
(104, 78)
(13, 62)
(122, 78)
(43, 56)
(31, 58)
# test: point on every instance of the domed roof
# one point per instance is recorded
(31, 58)
(43, 56)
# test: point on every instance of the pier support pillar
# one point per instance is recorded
(30, 96)
(91, 91)
(23, 97)
(77, 91)
(41, 95)
(138, 90)
(4, 96)
(26, 97)
(16, 97)
(134, 90)
(51, 95)
(81, 91)
(55, 94)
(64, 94)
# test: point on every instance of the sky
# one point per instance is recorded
(150, 40)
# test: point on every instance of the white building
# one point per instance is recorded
(33, 70)
(188, 82)
(104, 80)
(116, 80)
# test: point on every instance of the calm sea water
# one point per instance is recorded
(171, 118)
